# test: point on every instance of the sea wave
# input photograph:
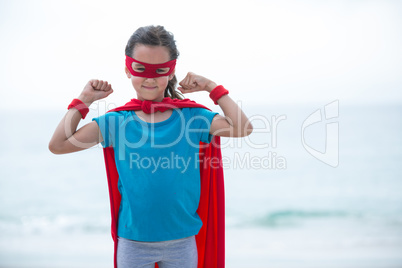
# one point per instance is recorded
(62, 223)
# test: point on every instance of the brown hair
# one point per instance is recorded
(156, 36)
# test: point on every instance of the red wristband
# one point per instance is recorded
(217, 93)
(80, 106)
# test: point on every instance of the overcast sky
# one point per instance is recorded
(262, 51)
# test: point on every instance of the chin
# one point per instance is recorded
(151, 97)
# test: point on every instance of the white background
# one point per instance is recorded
(262, 51)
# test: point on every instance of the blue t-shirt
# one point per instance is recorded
(158, 166)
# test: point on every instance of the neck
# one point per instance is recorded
(159, 99)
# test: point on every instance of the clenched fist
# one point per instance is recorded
(193, 82)
(95, 90)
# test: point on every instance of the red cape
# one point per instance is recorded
(211, 238)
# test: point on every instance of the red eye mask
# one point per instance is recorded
(150, 70)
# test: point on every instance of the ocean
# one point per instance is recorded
(315, 185)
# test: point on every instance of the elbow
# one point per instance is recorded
(246, 130)
(249, 129)
(53, 148)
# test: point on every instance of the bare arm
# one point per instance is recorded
(66, 138)
(234, 124)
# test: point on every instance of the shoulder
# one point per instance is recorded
(111, 117)
(194, 111)
(201, 115)
(115, 114)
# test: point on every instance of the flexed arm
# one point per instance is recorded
(66, 138)
(234, 124)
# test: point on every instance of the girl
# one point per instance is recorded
(158, 153)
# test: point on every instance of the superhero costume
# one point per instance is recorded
(211, 237)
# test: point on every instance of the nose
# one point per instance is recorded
(151, 80)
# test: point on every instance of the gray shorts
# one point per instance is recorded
(168, 254)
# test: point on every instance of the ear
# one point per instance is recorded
(127, 72)
(172, 74)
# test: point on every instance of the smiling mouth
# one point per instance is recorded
(149, 88)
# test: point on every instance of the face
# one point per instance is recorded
(149, 88)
